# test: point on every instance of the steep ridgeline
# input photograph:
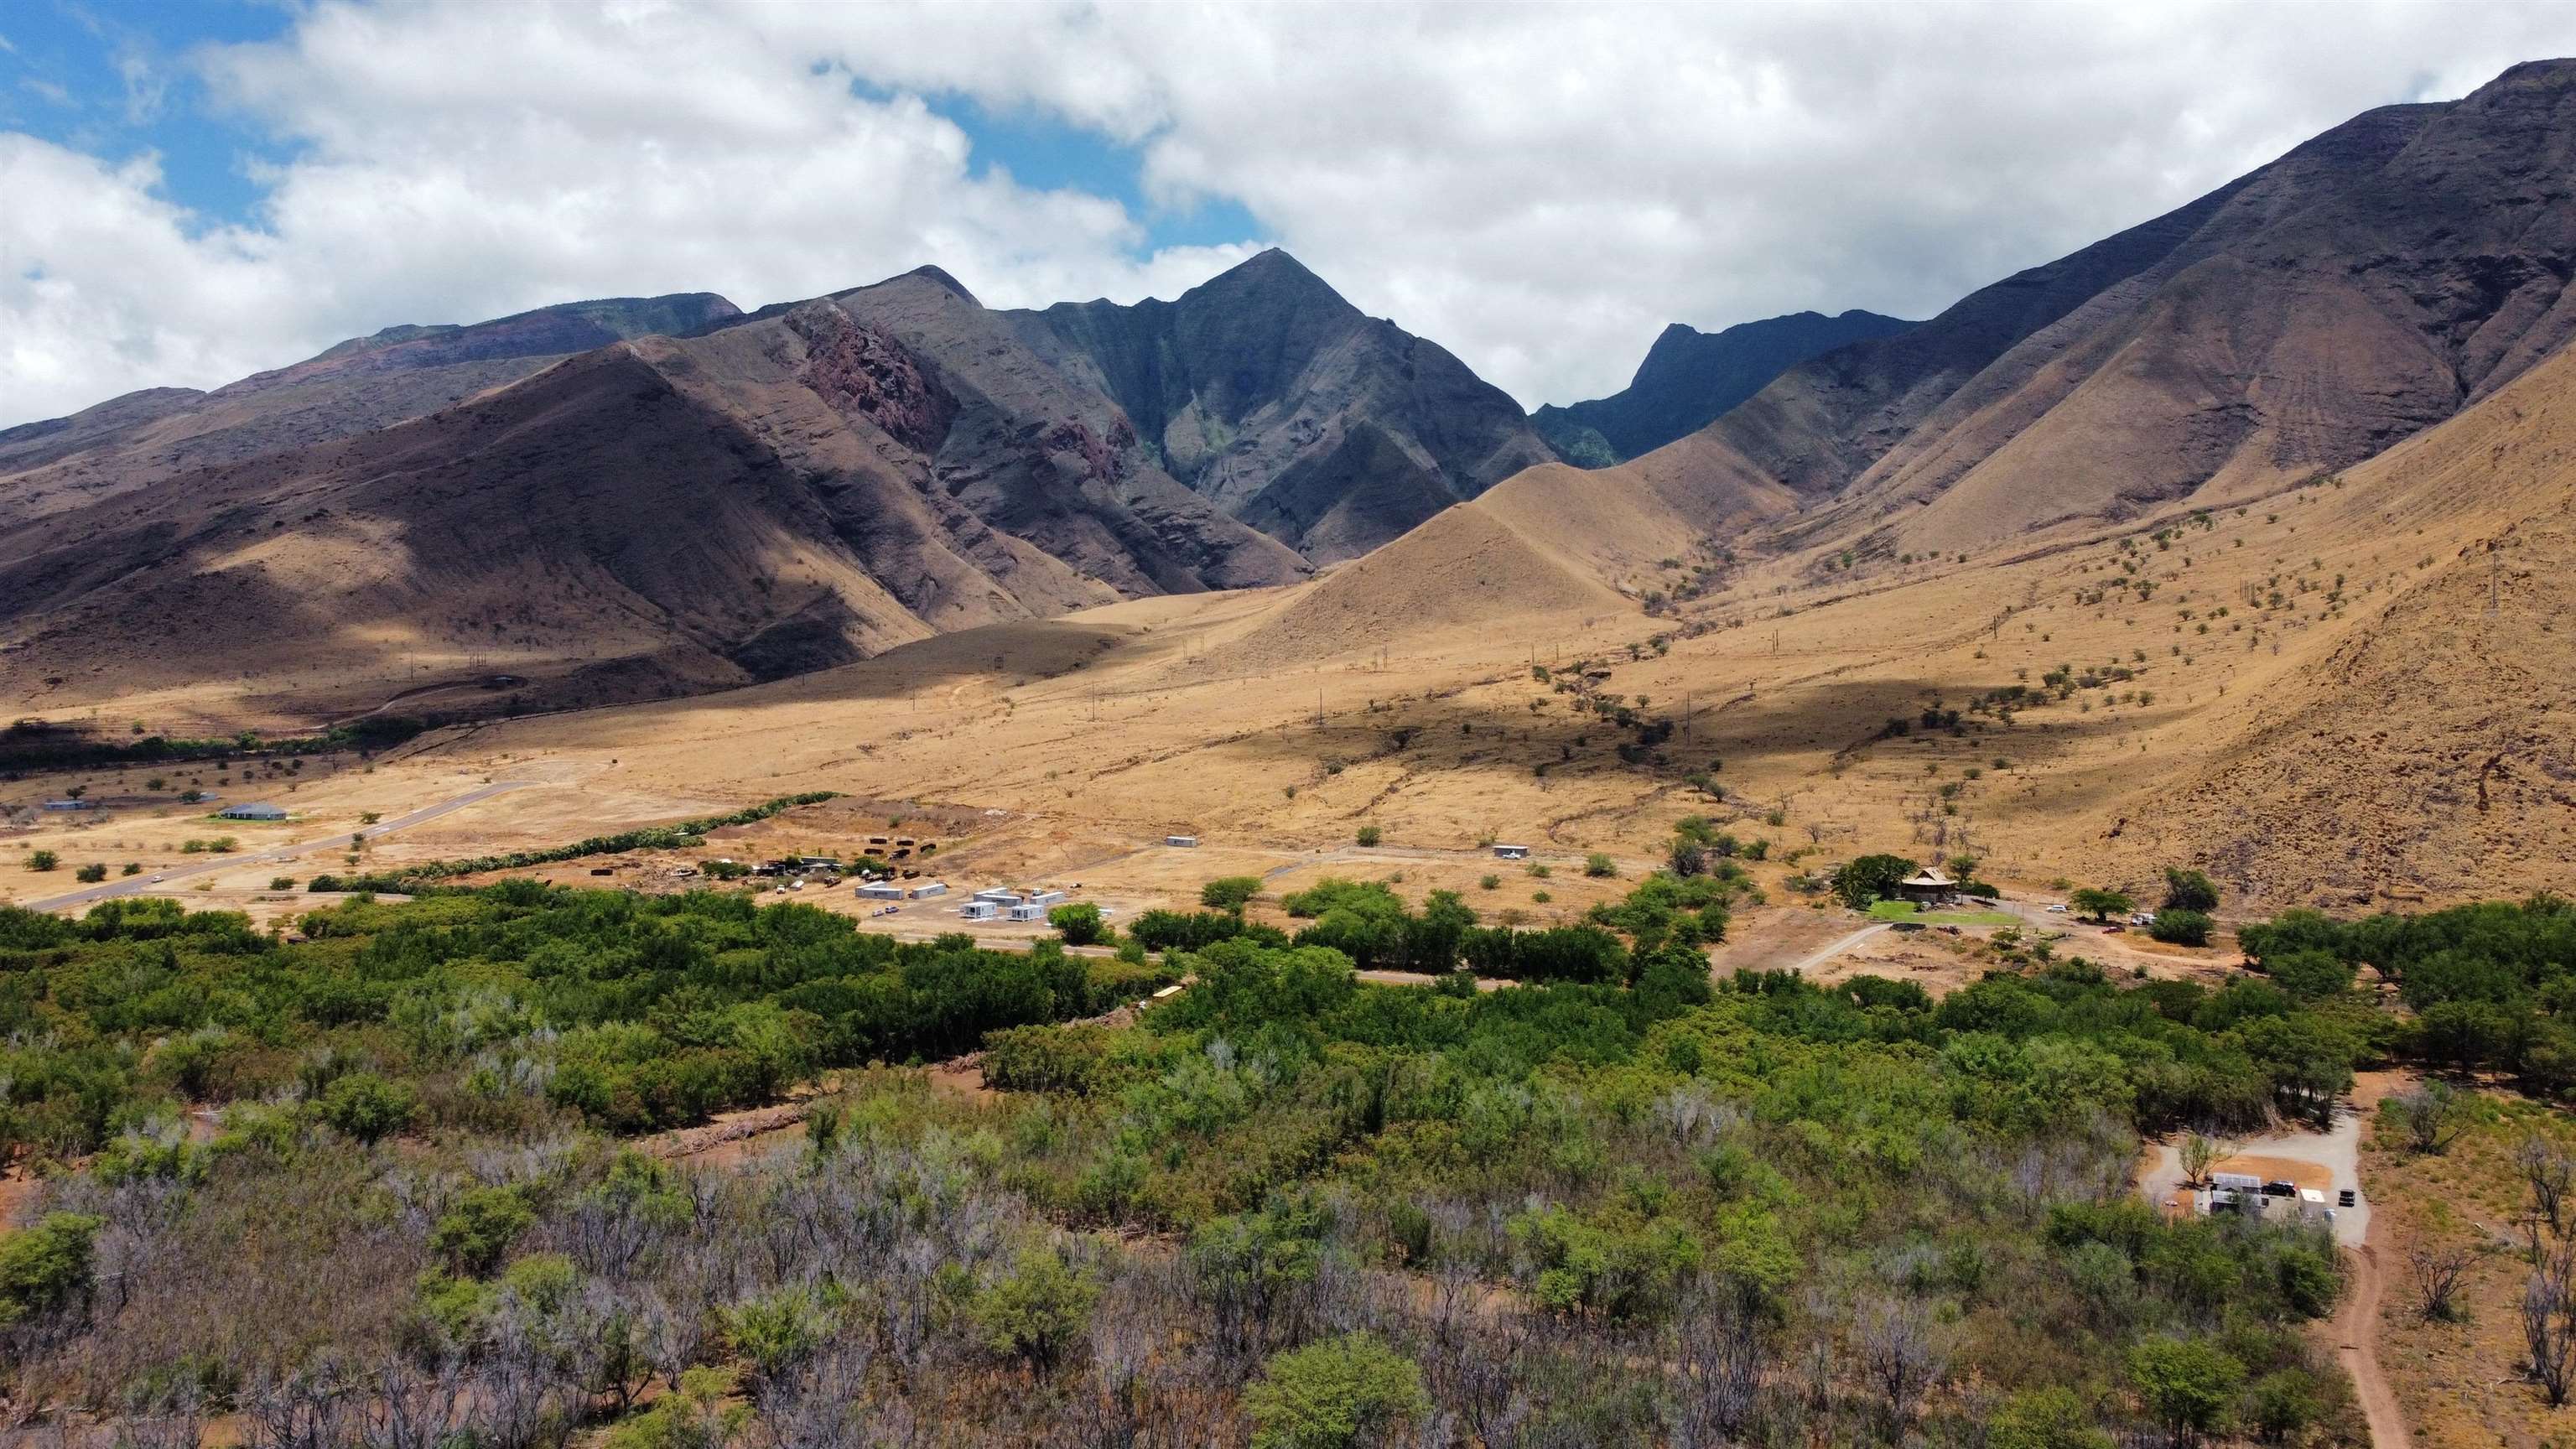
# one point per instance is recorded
(358, 386)
(2368, 284)
(1290, 409)
(663, 514)
(1691, 378)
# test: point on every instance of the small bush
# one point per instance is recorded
(43, 860)
(1599, 866)
(1229, 893)
(92, 873)
(1368, 835)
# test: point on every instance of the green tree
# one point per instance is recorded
(91, 873)
(2049, 1418)
(2187, 1384)
(694, 1415)
(42, 860)
(478, 1230)
(1078, 922)
(1341, 1393)
(1871, 878)
(2102, 903)
(2189, 890)
(2180, 927)
(1038, 1310)
(1599, 866)
(46, 1265)
(1229, 893)
(1368, 835)
(367, 1107)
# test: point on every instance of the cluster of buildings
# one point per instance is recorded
(1004, 904)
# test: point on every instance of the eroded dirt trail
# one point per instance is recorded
(2357, 1337)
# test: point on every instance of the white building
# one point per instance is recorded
(979, 910)
(252, 810)
(1184, 841)
(881, 891)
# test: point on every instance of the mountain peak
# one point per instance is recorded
(1273, 274)
(941, 278)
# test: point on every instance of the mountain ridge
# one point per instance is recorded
(1690, 378)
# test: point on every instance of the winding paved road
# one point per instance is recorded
(273, 855)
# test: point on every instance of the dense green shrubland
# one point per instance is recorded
(1623, 1203)
(489, 1006)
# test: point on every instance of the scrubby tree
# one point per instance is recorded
(1229, 893)
(1037, 1310)
(368, 1107)
(2198, 1153)
(2432, 1115)
(1599, 866)
(2436, 1269)
(1342, 1393)
(1369, 835)
(43, 860)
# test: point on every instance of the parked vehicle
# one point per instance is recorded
(2058, 909)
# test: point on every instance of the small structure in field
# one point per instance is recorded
(1025, 911)
(928, 888)
(1511, 852)
(1186, 842)
(252, 810)
(999, 896)
(1928, 887)
(881, 890)
(71, 804)
(979, 910)
(1046, 898)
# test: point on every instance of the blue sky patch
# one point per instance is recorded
(112, 80)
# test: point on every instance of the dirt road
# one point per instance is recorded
(274, 855)
(2337, 1152)
(2356, 1328)
(1819, 958)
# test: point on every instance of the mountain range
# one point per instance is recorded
(871, 467)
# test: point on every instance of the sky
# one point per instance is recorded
(195, 190)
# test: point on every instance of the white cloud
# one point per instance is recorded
(1539, 188)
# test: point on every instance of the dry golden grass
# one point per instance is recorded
(2460, 1382)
